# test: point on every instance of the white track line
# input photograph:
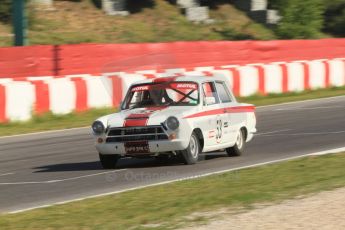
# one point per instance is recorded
(259, 107)
(6, 174)
(277, 131)
(338, 150)
(311, 108)
(60, 180)
(303, 134)
(330, 151)
(303, 101)
(46, 132)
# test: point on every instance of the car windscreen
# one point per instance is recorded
(162, 94)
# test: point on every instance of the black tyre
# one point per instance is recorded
(109, 161)
(191, 154)
(238, 148)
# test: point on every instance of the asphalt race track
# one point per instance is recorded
(41, 169)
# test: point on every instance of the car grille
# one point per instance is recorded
(126, 134)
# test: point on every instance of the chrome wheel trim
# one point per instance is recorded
(193, 146)
(239, 141)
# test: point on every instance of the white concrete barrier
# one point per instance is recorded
(273, 78)
(337, 72)
(62, 95)
(295, 75)
(249, 80)
(19, 99)
(317, 74)
(99, 91)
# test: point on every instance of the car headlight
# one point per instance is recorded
(172, 123)
(98, 127)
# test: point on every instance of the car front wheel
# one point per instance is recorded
(238, 148)
(191, 154)
(109, 161)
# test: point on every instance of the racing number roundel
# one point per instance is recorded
(219, 131)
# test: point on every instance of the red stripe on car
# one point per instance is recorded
(135, 122)
(141, 119)
(211, 134)
(240, 109)
(237, 109)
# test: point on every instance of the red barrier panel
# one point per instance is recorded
(116, 90)
(306, 76)
(41, 97)
(285, 78)
(92, 58)
(81, 97)
(98, 58)
(3, 117)
(26, 61)
(262, 83)
(327, 74)
(236, 81)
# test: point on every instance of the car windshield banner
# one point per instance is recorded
(174, 85)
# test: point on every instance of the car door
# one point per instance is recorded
(214, 119)
(230, 125)
(226, 102)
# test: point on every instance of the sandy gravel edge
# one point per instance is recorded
(325, 210)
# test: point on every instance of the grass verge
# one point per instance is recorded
(170, 206)
(271, 99)
(53, 122)
(50, 121)
(74, 22)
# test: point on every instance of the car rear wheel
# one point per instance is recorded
(238, 148)
(109, 161)
(191, 154)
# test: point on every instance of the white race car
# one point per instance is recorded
(175, 116)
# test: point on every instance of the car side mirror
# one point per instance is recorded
(210, 100)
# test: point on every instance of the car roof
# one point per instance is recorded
(195, 78)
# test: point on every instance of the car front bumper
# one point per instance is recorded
(144, 148)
